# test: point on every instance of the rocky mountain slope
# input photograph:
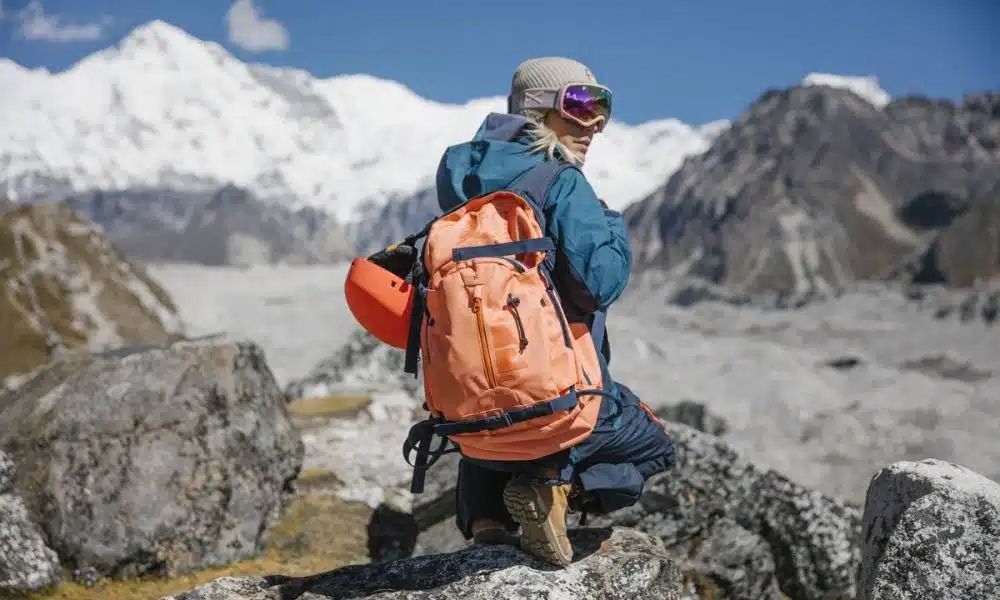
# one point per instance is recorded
(814, 188)
(225, 226)
(64, 286)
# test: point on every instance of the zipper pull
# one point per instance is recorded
(512, 303)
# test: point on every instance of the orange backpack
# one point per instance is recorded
(506, 376)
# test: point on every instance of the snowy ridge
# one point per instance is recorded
(866, 87)
(166, 109)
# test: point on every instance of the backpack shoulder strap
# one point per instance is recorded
(535, 183)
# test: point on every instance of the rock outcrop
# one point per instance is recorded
(736, 530)
(26, 563)
(931, 530)
(153, 460)
(615, 564)
(978, 305)
(362, 363)
(217, 226)
(814, 188)
(64, 286)
(696, 415)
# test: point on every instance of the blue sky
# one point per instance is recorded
(696, 60)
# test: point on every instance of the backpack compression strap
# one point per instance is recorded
(535, 186)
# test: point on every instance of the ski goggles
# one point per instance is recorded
(582, 103)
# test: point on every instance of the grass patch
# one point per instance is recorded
(318, 533)
(334, 405)
(310, 480)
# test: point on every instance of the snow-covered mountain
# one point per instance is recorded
(164, 109)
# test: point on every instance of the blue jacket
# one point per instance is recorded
(593, 256)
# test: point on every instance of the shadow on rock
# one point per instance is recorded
(611, 563)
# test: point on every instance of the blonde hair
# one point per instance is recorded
(544, 139)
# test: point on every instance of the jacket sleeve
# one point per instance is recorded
(593, 256)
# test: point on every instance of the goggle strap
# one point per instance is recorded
(540, 98)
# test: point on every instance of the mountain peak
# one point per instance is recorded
(865, 86)
(161, 42)
(158, 32)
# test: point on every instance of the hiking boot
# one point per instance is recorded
(541, 511)
(488, 531)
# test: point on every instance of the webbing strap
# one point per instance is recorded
(597, 329)
(536, 182)
(412, 354)
(508, 248)
(418, 440)
(506, 419)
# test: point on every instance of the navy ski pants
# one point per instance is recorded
(628, 446)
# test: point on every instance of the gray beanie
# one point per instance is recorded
(550, 72)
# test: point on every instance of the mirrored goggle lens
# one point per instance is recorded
(586, 103)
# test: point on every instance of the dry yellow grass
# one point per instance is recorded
(329, 406)
(319, 533)
(22, 344)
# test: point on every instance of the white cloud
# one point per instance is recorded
(36, 25)
(249, 30)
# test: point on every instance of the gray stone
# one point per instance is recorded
(743, 531)
(727, 562)
(155, 460)
(8, 471)
(931, 530)
(694, 414)
(26, 563)
(362, 363)
(812, 538)
(617, 564)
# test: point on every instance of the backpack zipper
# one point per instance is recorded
(565, 326)
(428, 321)
(559, 314)
(512, 303)
(516, 264)
(477, 307)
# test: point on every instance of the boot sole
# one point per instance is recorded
(537, 534)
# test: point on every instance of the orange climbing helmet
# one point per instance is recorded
(381, 301)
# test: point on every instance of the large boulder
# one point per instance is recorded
(931, 530)
(153, 460)
(63, 285)
(26, 563)
(616, 564)
(713, 493)
(736, 530)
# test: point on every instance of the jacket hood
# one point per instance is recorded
(497, 155)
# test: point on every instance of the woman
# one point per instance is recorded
(555, 110)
